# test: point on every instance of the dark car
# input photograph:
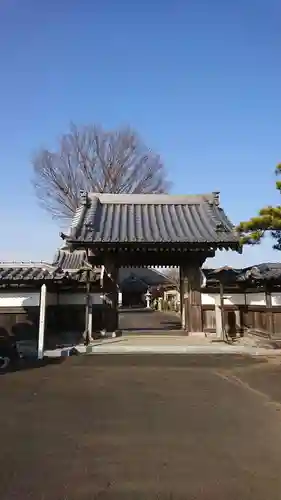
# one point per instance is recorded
(8, 352)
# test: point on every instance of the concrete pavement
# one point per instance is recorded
(138, 344)
(142, 427)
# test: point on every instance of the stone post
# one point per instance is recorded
(42, 321)
(120, 299)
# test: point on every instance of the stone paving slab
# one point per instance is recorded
(162, 345)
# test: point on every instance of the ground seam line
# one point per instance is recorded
(240, 383)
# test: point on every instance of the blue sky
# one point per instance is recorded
(199, 80)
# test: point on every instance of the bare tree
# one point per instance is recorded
(93, 159)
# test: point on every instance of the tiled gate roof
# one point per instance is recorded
(138, 218)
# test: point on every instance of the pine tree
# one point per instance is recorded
(267, 220)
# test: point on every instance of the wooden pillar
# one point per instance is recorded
(190, 294)
(195, 318)
(87, 335)
(243, 314)
(223, 331)
(218, 316)
(111, 271)
(269, 314)
(42, 322)
(183, 296)
(114, 299)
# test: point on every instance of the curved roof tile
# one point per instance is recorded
(192, 219)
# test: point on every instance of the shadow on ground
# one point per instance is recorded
(139, 427)
(134, 310)
(164, 326)
(207, 361)
(146, 320)
(31, 364)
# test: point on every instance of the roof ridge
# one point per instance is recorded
(25, 263)
(161, 274)
(150, 198)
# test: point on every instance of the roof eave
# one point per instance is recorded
(233, 245)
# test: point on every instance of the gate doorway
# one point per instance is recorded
(134, 282)
(140, 321)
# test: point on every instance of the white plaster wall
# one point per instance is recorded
(229, 299)
(255, 299)
(276, 299)
(209, 299)
(79, 298)
(19, 299)
(237, 299)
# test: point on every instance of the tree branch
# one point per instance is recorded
(267, 220)
(94, 160)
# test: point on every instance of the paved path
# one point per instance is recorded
(142, 427)
(150, 344)
(142, 320)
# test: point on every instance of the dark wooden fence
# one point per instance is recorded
(240, 319)
(23, 322)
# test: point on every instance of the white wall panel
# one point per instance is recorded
(234, 299)
(230, 299)
(276, 299)
(29, 299)
(255, 299)
(208, 299)
(19, 299)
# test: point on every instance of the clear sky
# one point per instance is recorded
(200, 80)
